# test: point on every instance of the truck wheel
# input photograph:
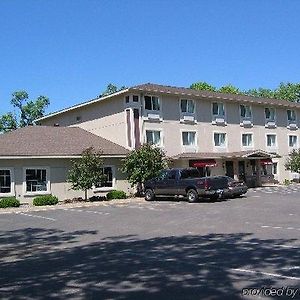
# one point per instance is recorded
(192, 196)
(149, 195)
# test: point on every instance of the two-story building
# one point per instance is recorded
(241, 136)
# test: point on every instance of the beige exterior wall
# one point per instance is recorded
(108, 119)
(58, 169)
(171, 131)
(105, 118)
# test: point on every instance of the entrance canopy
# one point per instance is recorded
(201, 163)
(203, 157)
(266, 161)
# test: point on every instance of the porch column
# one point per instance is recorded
(258, 172)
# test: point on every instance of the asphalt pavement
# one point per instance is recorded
(243, 248)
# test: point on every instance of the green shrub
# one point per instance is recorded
(116, 195)
(9, 202)
(45, 200)
(286, 182)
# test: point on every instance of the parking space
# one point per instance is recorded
(154, 250)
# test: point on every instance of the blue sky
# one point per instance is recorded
(69, 50)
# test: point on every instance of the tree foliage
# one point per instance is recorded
(229, 89)
(25, 111)
(87, 171)
(111, 89)
(144, 163)
(293, 161)
(286, 91)
(203, 86)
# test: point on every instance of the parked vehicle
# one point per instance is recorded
(235, 188)
(185, 182)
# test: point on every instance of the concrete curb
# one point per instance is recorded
(26, 207)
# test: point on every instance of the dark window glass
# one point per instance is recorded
(127, 99)
(148, 103)
(5, 181)
(135, 98)
(172, 174)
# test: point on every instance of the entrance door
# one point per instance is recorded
(242, 173)
(229, 168)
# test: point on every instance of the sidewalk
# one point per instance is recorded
(60, 205)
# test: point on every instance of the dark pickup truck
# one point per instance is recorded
(186, 182)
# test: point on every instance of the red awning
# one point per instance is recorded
(204, 163)
(266, 161)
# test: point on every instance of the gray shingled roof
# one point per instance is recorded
(181, 91)
(54, 141)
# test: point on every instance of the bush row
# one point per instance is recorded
(52, 200)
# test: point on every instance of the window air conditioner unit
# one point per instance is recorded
(153, 116)
(188, 118)
(293, 126)
(271, 124)
(246, 123)
(220, 121)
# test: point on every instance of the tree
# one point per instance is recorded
(144, 163)
(111, 89)
(229, 89)
(293, 161)
(260, 92)
(27, 111)
(288, 91)
(203, 86)
(87, 171)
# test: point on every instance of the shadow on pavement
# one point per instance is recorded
(50, 264)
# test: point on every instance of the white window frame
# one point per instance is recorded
(161, 136)
(226, 140)
(189, 148)
(271, 147)
(250, 109)
(108, 188)
(152, 110)
(12, 183)
(252, 139)
(48, 185)
(287, 117)
(186, 112)
(293, 147)
(269, 119)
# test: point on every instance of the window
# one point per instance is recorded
(188, 138)
(293, 141)
(172, 175)
(153, 137)
(271, 140)
(152, 103)
(218, 109)
(291, 115)
(245, 111)
(127, 99)
(135, 98)
(187, 106)
(190, 173)
(270, 114)
(36, 180)
(109, 178)
(247, 139)
(5, 181)
(220, 139)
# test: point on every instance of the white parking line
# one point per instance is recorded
(265, 274)
(281, 246)
(35, 216)
(279, 227)
(88, 211)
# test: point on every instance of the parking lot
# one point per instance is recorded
(155, 250)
